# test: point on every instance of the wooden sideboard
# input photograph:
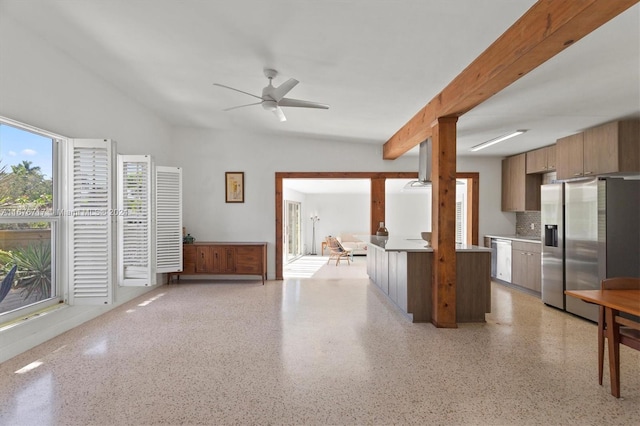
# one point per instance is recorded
(223, 258)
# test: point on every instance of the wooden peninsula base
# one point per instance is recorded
(401, 268)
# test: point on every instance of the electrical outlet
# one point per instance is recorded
(533, 226)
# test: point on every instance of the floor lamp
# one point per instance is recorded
(314, 219)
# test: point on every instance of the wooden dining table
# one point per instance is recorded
(614, 302)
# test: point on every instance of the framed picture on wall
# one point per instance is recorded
(234, 187)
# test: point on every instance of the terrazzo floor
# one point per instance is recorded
(315, 352)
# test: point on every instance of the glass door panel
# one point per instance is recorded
(292, 231)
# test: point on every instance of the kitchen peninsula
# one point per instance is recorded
(401, 268)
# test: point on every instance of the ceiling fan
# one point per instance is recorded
(273, 97)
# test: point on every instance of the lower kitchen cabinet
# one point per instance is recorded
(525, 265)
(211, 258)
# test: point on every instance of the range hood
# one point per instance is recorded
(424, 167)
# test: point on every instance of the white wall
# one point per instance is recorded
(339, 213)
(408, 213)
(43, 87)
(289, 194)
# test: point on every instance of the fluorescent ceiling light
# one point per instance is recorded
(496, 140)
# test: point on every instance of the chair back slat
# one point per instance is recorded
(620, 283)
(627, 323)
(629, 328)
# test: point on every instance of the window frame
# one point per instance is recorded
(57, 290)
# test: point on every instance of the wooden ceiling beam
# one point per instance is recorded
(546, 29)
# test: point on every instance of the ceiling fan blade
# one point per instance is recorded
(279, 92)
(241, 106)
(237, 90)
(280, 114)
(288, 102)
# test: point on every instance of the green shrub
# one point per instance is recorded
(34, 270)
(6, 261)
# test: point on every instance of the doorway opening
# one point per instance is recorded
(377, 201)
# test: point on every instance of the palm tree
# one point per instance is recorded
(25, 185)
(25, 168)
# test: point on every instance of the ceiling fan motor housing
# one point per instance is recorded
(269, 105)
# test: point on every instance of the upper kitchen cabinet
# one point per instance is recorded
(611, 148)
(520, 191)
(569, 153)
(542, 160)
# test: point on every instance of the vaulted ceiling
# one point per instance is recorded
(376, 62)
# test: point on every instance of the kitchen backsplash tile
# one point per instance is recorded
(524, 221)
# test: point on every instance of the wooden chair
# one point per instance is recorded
(337, 251)
(629, 329)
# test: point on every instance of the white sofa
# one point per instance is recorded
(350, 241)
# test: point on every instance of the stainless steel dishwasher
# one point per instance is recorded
(503, 259)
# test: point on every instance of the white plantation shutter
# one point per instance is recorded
(168, 213)
(135, 244)
(90, 221)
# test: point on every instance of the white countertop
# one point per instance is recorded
(517, 238)
(412, 244)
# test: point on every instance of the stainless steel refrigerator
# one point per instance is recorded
(602, 236)
(552, 221)
(598, 238)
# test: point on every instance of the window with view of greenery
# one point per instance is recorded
(27, 220)
(25, 187)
